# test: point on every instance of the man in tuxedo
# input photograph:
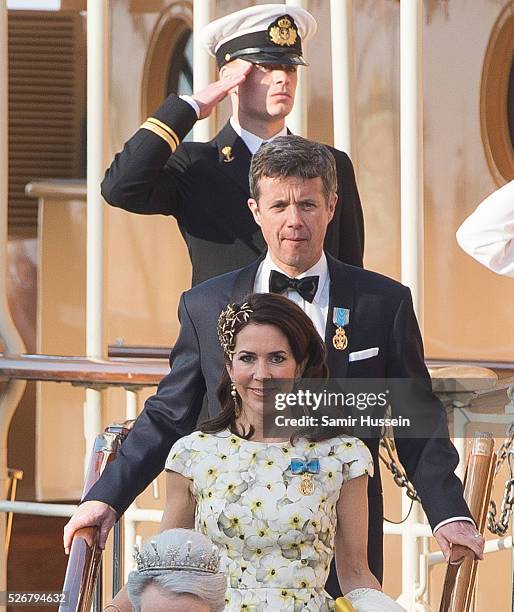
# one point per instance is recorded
(205, 185)
(293, 183)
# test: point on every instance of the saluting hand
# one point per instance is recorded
(214, 93)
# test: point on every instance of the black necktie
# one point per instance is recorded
(306, 287)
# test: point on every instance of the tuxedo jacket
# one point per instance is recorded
(207, 191)
(381, 315)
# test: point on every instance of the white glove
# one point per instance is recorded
(371, 600)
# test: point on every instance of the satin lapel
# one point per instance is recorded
(245, 280)
(341, 295)
(234, 157)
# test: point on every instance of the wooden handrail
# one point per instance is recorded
(61, 189)
(127, 372)
(460, 578)
(506, 367)
(81, 370)
(162, 352)
(114, 351)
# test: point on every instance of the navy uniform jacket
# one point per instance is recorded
(208, 194)
(381, 315)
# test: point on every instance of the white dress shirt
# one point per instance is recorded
(317, 310)
(488, 233)
(252, 141)
(192, 102)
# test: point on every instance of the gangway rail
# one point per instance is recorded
(132, 375)
(83, 370)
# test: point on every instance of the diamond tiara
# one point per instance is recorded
(175, 559)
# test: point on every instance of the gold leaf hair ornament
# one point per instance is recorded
(229, 318)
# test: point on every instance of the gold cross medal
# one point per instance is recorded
(227, 154)
(306, 484)
(341, 318)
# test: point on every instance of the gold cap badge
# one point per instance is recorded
(283, 31)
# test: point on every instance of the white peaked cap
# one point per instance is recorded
(266, 33)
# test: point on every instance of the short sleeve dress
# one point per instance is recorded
(276, 542)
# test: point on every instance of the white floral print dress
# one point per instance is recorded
(276, 544)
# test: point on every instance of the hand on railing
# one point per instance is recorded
(86, 532)
(460, 539)
(83, 566)
(467, 541)
(90, 514)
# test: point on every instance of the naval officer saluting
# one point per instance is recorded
(205, 185)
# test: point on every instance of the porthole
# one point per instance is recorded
(168, 65)
(497, 98)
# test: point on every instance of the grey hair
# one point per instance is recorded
(208, 587)
(293, 156)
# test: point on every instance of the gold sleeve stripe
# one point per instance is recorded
(165, 127)
(147, 125)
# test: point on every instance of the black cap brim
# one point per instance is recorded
(273, 58)
(258, 56)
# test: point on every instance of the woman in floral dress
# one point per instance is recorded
(278, 510)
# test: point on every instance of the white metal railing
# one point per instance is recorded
(412, 252)
(204, 11)
(341, 13)
(297, 120)
(97, 84)
(411, 150)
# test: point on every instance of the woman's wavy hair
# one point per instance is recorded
(304, 341)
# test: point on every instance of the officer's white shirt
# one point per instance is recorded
(317, 310)
(488, 233)
(252, 141)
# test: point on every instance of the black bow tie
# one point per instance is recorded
(306, 287)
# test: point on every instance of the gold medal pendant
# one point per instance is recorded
(306, 484)
(340, 340)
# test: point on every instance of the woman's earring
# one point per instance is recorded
(237, 407)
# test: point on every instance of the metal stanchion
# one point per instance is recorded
(98, 598)
(117, 557)
(14, 476)
(511, 467)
